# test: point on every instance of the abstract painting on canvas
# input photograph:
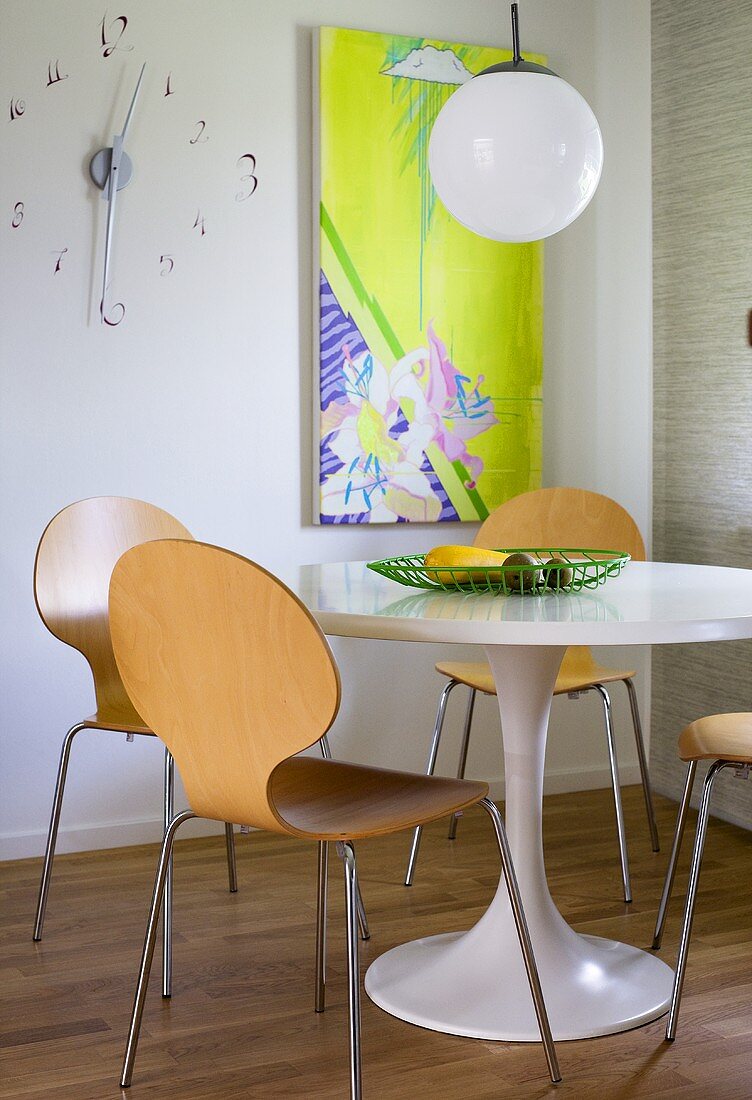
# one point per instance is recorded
(429, 339)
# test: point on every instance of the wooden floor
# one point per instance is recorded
(241, 1024)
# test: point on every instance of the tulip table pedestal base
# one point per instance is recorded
(474, 983)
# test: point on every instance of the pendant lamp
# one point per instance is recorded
(516, 153)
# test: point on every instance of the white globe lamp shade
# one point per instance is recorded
(516, 153)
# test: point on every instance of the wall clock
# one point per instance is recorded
(130, 213)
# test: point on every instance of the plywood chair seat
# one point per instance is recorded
(579, 672)
(122, 719)
(718, 737)
(332, 800)
(726, 740)
(233, 673)
(550, 518)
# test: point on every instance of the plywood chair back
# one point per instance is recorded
(75, 558)
(567, 518)
(228, 668)
(562, 517)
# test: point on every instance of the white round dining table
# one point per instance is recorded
(473, 983)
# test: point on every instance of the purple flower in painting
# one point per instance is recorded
(454, 407)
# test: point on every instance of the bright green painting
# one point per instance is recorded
(430, 341)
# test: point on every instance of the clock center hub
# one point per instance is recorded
(99, 169)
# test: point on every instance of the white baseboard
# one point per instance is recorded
(88, 838)
(715, 811)
(576, 779)
(121, 834)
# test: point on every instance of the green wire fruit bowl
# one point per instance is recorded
(573, 570)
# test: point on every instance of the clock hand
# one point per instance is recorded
(133, 103)
(111, 189)
(126, 124)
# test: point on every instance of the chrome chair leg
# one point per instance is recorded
(689, 908)
(232, 867)
(57, 805)
(353, 970)
(365, 933)
(524, 937)
(463, 756)
(169, 800)
(643, 762)
(321, 911)
(149, 943)
(320, 992)
(673, 859)
(432, 754)
(617, 790)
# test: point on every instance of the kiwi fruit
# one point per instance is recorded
(522, 578)
(557, 579)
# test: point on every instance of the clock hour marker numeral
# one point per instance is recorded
(60, 253)
(18, 215)
(167, 263)
(198, 139)
(54, 76)
(199, 224)
(17, 108)
(168, 86)
(117, 29)
(250, 180)
(117, 313)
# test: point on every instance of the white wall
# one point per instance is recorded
(200, 400)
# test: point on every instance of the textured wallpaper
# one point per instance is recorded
(702, 196)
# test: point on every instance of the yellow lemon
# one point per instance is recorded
(457, 559)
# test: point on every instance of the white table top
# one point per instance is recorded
(648, 603)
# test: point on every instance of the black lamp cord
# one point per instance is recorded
(516, 36)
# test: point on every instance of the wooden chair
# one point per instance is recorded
(550, 518)
(74, 561)
(234, 675)
(726, 739)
